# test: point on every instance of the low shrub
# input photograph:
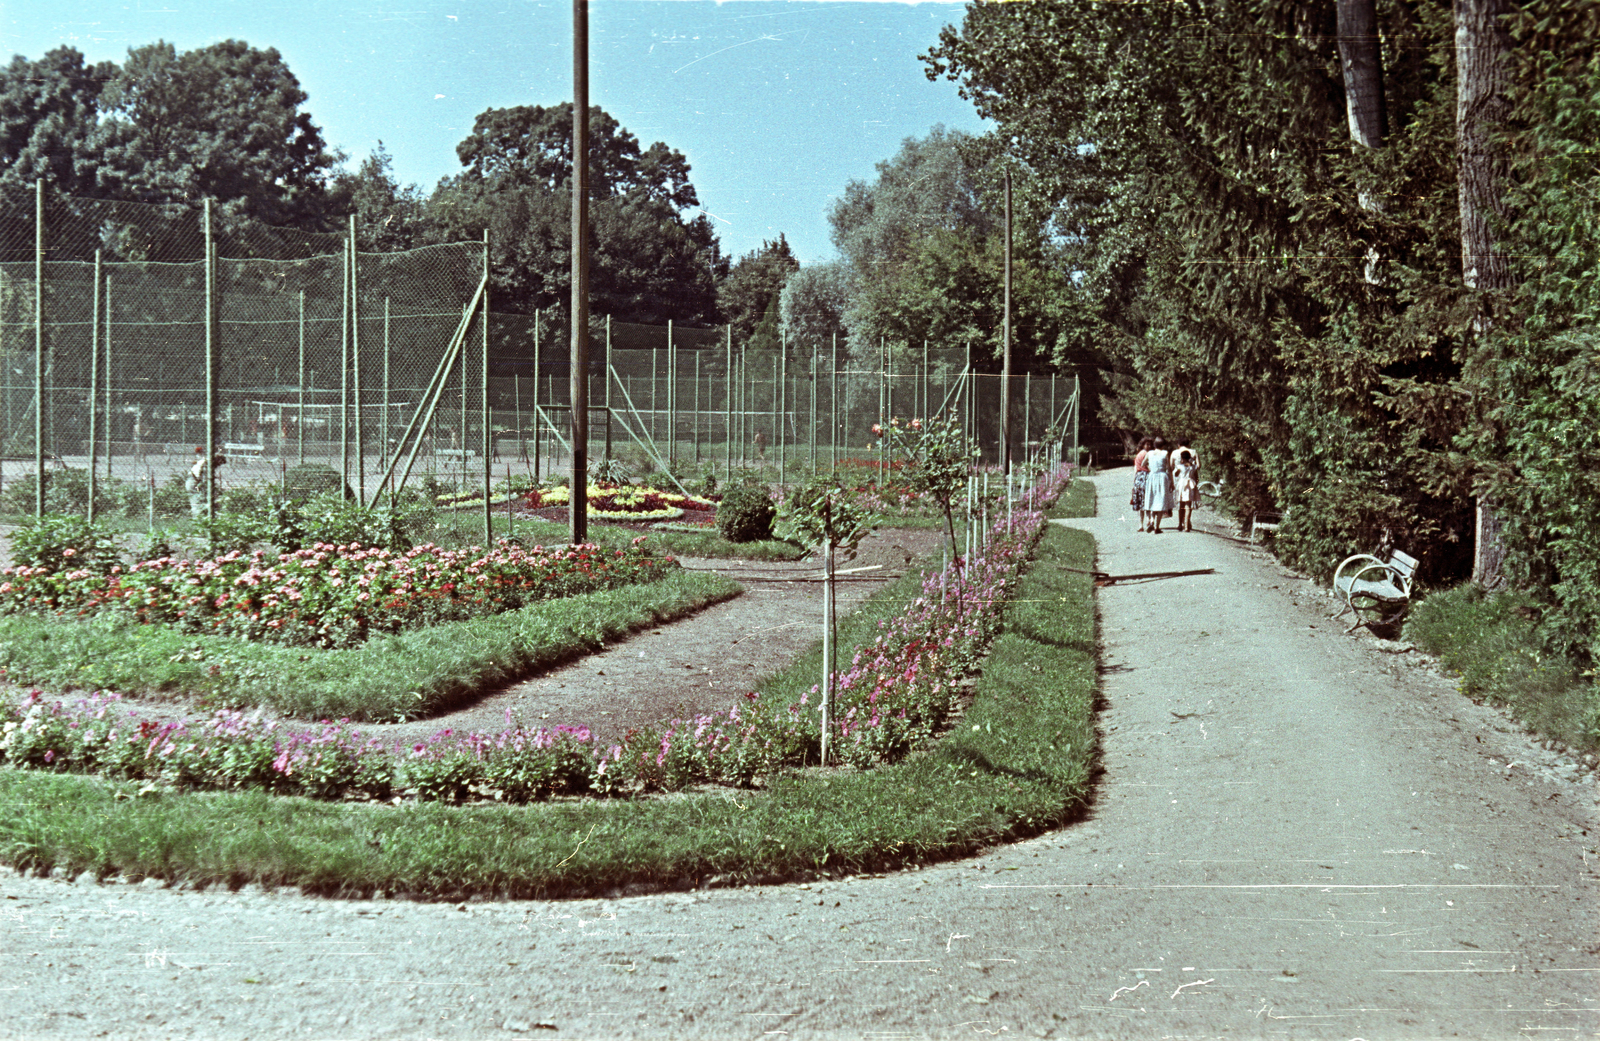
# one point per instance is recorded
(746, 513)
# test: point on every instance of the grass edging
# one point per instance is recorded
(1019, 761)
(408, 675)
(1492, 643)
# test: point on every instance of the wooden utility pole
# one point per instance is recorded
(1005, 364)
(579, 509)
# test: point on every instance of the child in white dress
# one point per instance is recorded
(1186, 482)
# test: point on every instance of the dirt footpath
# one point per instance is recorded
(1297, 836)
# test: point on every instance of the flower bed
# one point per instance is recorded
(893, 696)
(623, 502)
(329, 595)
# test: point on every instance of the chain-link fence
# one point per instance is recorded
(134, 337)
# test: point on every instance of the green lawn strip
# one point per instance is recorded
(1493, 644)
(1077, 501)
(409, 675)
(1017, 762)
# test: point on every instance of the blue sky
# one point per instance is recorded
(776, 103)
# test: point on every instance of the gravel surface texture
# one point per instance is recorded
(1297, 834)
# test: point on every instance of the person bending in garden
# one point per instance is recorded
(195, 483)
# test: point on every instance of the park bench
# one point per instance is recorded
(1263, 521)
(455, 453)
(1382, 587)
(241, 448)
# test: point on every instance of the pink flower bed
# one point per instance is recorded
(890, 699)
(329, 595)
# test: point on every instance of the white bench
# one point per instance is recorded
(240, 448)
(1380, 586)
(1265, 521)
(455, 453)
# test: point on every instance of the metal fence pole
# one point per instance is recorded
(696, 407)
(94, 387)
(355, 364)
(833, 402)
(211, 369)
(138, 416)
(383, 420)
(608, 381)
(783, 407)
(486, 439)
(672, 397)
(727, 403)
(300, 420)
(344, 373)
(38, 347)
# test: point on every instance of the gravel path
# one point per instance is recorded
(1296, 835)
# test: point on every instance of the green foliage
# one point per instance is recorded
(652, 260)
(1492, 643)
(1537, 438)
(60, 542)
(939, 458)
(1291, 308)
(751, 289)
(746, 513)
(1024, 769)
(821, 513)
(308, 479)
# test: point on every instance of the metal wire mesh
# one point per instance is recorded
(365, 367)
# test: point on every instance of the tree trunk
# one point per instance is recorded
(1362, 63)
(1363, 71)
(1482, 78)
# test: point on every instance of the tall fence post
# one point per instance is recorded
(727, 403)
(783, 406)
(607, 382)
(38, 347)
(833, 403)
(355, 364)
(209, 459)
(344, 372)
(486, 441)
(672, 397)
(300, 419)
(383, 420)
(138, 417)
(94, 387)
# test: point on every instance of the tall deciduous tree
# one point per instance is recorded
(651, 259)
(1483, 105)
(223, 121)
(752, 286)
(389, 216)
(49, 111)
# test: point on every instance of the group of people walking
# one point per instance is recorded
(1165, 481)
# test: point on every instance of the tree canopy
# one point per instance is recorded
(651, 260)
(1292, 295)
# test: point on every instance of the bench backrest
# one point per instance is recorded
(1402, 562)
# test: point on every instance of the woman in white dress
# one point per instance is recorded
(1158, 490)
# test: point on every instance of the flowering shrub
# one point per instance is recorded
(329, 595)
(894, 695)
